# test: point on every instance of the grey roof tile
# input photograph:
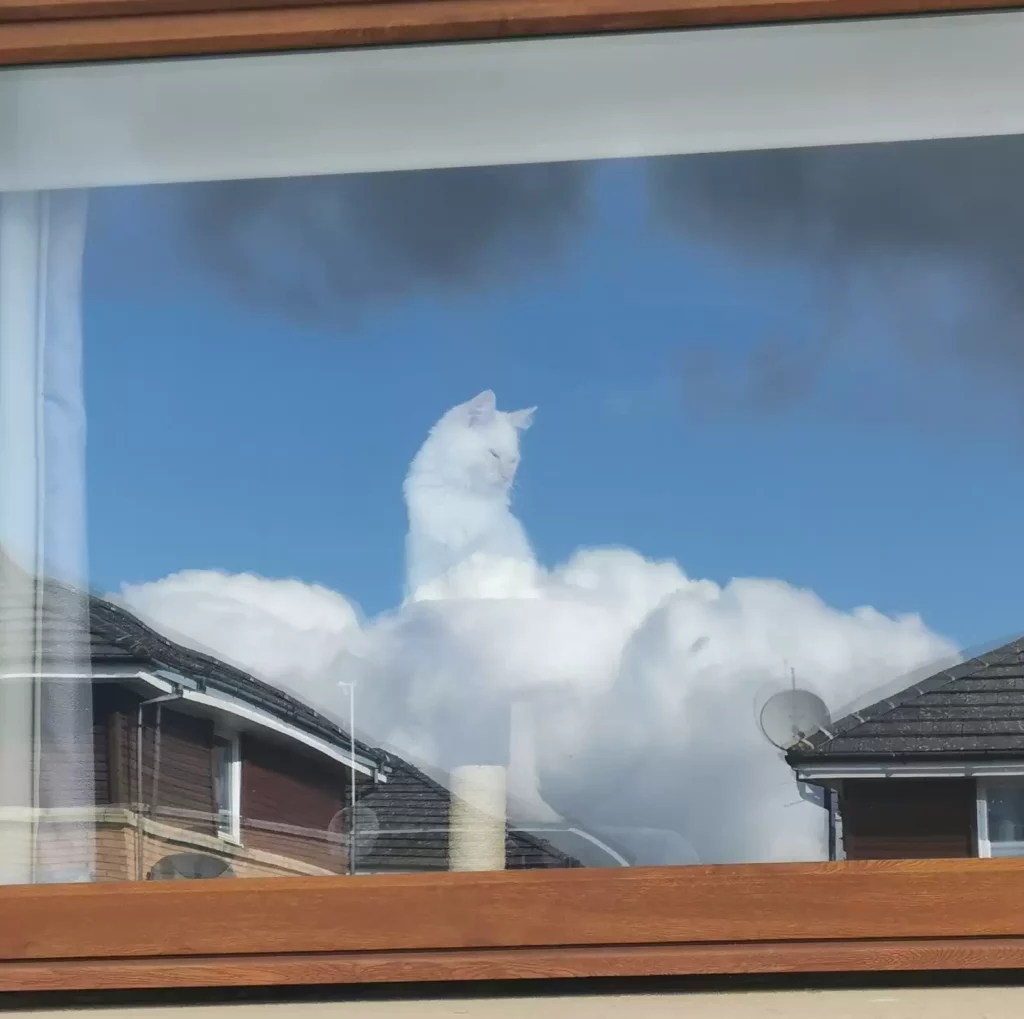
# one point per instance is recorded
(974, 709)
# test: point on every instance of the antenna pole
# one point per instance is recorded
(351, 687)
(352, 773)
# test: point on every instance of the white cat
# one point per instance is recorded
(458, 491)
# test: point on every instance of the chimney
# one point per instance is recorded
(476, 840)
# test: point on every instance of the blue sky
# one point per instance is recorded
(226, 436)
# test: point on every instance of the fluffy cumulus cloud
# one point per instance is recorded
(285, 631)
(642, 683)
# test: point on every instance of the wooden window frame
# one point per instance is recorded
(787, 918)
(52, 31)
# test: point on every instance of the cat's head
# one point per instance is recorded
(475, 446)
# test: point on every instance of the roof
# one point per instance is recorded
(410, 823)
(119, 639)
(118, 635)
(412, 808)
(972, 710)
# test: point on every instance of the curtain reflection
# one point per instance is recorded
(46, 759)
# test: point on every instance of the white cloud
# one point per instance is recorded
(643, 682)
(284, 631)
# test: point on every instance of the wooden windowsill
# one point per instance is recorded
(57, 31)
(877, 916)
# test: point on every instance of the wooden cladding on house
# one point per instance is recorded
(177, 773)
(289, 799)
(889, 819)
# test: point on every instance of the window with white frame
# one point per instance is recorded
(1001, 817)
(227, 785)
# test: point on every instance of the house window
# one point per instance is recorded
(743, 321)
(227, 785)
(355, 266)
(1001, 817)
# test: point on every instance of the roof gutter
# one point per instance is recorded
(265, 720)
(818, 773)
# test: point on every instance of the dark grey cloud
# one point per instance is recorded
(332, 246)
(915, 252)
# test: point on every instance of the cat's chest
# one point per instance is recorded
(461, 521)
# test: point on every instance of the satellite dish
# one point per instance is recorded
(189, 866)
(354, 826)
(792, 715)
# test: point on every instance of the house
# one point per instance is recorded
(237, 777)
(934, 770)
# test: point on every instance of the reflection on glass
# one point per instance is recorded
(226, 772)
(1002, 817)
(1006, 814)
(593, 515)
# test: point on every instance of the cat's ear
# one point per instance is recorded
(522, 419)
(480, 410)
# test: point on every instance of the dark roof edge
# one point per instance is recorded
(816, 742)
(916, 757)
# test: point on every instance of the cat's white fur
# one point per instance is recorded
(458, 491)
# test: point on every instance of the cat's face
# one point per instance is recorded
(483, 443)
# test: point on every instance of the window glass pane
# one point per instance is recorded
(593, 513)
(222, 797)
(1006, 816)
